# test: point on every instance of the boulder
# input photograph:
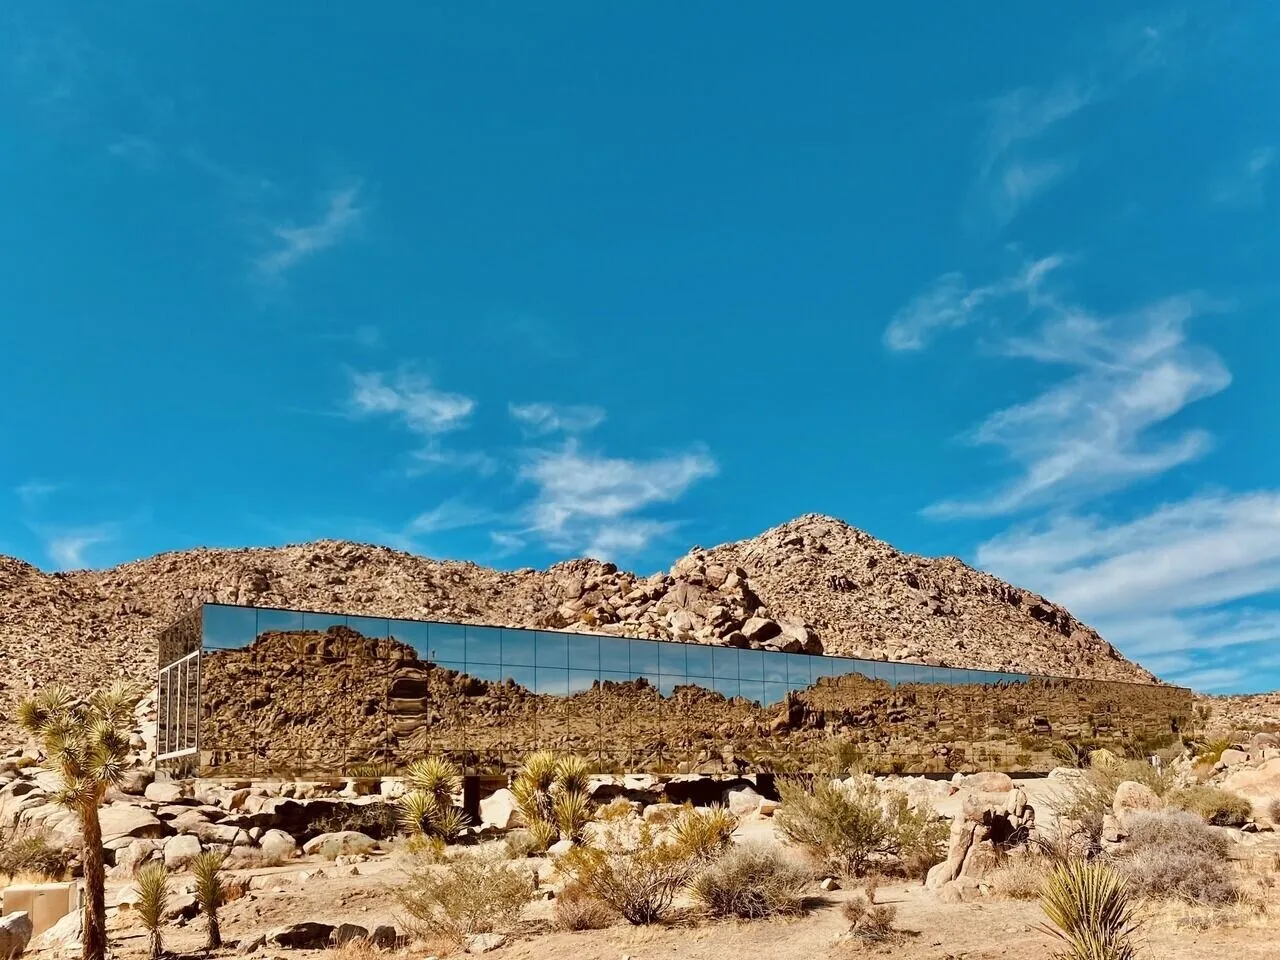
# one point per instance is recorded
(165, 791)
(135, 781)
(742, 802)
(339, 844)
(1232, 758)
(963, 889)
(136, 854)
(308, 935)
(15, 934)
(384, 937)
(989, 825)
(484, 942)
(1259, 785)
(181, 906)
(344, 933)
(278, 845)
(125, 820)
(181, 850)
(63, 938)
(499, 810)
(1134, 797)
(989, 782)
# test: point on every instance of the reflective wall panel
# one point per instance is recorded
(316, 695)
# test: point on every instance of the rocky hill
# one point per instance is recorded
(814, 583)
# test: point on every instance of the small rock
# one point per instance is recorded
(484, 942)
(15, 934)
(307, 935)
(344, 842)
(278, 845)
(829, 883)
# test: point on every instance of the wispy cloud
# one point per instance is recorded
(539, 419)
(1244, 182)
(140, 151)
(292, 244)
(412, 399)
(950, 304)
(34, 492)
(1165, 586)
(66, 547)
(452, 514)
(1091, 432)
(587, 501)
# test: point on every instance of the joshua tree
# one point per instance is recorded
(210, 893)
(88, 742)
(153, 900)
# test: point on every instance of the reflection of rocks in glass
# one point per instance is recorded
(323, 702)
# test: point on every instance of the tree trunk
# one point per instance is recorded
(95, 902)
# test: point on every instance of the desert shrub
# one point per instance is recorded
(1020, 878)
(842, 757)
(28, 853)
(428, 849)
(542, 834)
(210, 893)
(1220, 808)
(1091, 911)
(1176, 856)
(1073, 753)
(751, 882)
(871, 921)
(422, 813)
(920, 836)
(378, 820)
(575, 909)
(619, 808)
(549, 789)
(848, 826)
(371, 770)
(703, 834)
(153, 901)
(473, 894)
(639, 880)
(1209, 752)
(844, 828)
(1093, 794)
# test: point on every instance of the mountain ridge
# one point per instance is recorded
(814, 583)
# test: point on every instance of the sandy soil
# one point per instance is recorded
(930, 929)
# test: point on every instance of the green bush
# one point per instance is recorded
(751, 882)
(1220, 808)
(472, 894)
(1091, 912)
(1173, 855)
(638, 880)
(848, 826)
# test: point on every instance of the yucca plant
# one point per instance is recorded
(703, 834)
(573, 775)
(573, 813)
(210, 893)
(532, 787)
(87, 741)
(1091, 912)
(153, 900)
(440, 779)
(542, 834)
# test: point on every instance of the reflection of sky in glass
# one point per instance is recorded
(614, 656)
(375, 627)
(671, 659)
(698, 661)
(518, 648)
(581, 681)
(229, 628)
(322, 621)
(724, 663)
(644, 658)
(279, 620)
(524, 676)
(552, 649)
(751, 664)
(552, 682)
(584, 653)
(484, 644)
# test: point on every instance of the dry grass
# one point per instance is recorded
(1020, 878)
(639, 878)
(1176, 856)
(26, 855)
(1219, 808)
(871, 921)
(472, 894)
(751, 882)
(576, 909)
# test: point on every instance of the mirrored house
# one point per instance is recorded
(258, 692)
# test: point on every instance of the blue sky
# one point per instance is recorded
(513, 283)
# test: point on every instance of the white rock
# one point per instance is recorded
(341, 843)
(278, 845)
(181, 850)
(499, 810)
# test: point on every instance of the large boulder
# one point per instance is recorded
(15, 934)
(135, 781)
(344, 843)
(166, 791)
(1232, 758)
(988, 782)
(1133, 797)
(125, 820)
(742, 802)
(308, 935)
(278, 845)
(64, 938)
(1259, 785)
(500, 811)
(181, 850)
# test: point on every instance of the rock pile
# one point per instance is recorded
(813, 584)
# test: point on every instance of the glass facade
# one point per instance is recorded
(248, 691)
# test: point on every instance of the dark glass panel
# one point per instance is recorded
(518, 648)
(229, 628)
(698, 661)
(615, 656)
(775, 667)
(798, 672)
(726, 687)
(672, 659)
(751, 664)
(644, 658)
(774, 693)
(753, 690)
(584, 653)
(520, 675)
(552, 681)
(416, 635)
(724, 663)
(552, 649)
(484, 645)
(667, 684)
